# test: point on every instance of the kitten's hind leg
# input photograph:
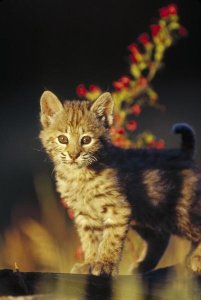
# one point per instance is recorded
(193, 260)
(155, 248)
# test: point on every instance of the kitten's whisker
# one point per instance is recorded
(93, 158)
(54, 169)
(35, 149)
(46, 159)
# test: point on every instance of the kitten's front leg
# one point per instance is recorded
(116, 222)
(90, 233)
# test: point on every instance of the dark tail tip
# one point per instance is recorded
(188, 137)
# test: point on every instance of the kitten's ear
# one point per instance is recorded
(50, 105)
(103, 108)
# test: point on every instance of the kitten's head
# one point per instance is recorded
(74, 134)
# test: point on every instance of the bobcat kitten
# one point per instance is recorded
(108, 187)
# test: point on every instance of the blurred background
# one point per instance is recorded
(56, 45)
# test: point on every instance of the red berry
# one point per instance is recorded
(172, 8)
(131, 125)
(70, 213)
(160, 144)
(142, 81)
(125, 80)
(94, 88)
(155, 28)
(119, 142)
(64, 202)
(118, 85)
(164, 12)
(136, 109)
(133, 48)
(133, 58)
(79, 254)
(81, 90)
(120, 131)
(144, 38)
(157, 144)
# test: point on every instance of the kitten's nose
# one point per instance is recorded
(74, 155)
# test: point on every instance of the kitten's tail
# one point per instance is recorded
(188, 137)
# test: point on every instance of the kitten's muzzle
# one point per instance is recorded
(74, 155)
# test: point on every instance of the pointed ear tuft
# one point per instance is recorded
(50, 105)
(103, 108)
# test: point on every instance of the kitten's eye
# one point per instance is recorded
(86, 140)
(63, 139)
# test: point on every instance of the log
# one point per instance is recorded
(59, 286)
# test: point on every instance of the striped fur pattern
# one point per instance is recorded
(108, 188)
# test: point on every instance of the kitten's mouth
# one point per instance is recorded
(73, 163)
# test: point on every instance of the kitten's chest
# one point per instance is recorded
(85, 191)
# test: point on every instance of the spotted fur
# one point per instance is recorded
(157, 192)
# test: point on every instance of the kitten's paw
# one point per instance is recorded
(81, 268)
(194, 263)
(104, 268)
